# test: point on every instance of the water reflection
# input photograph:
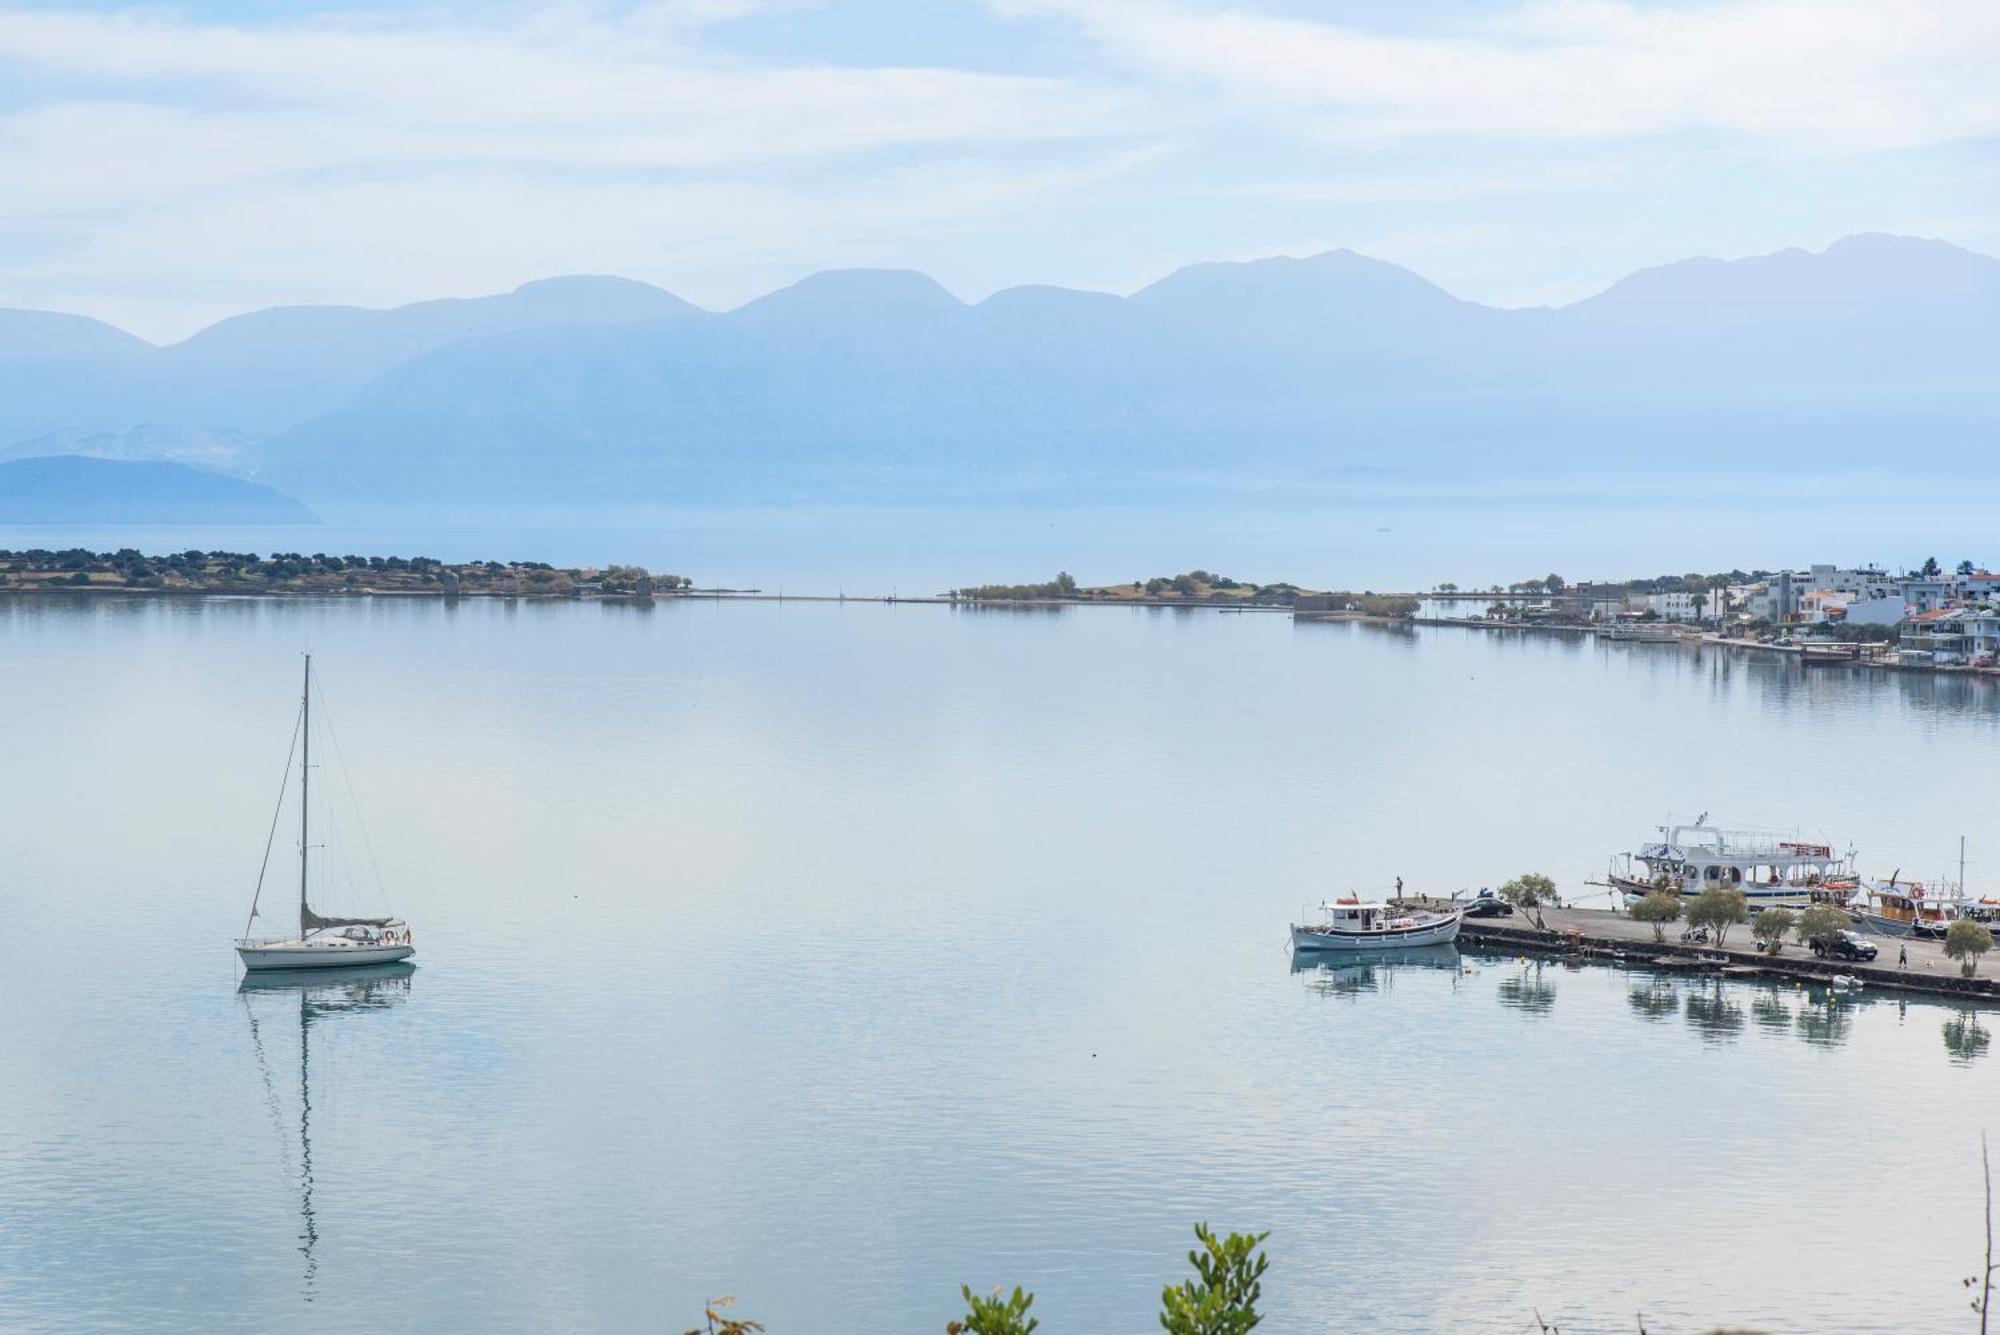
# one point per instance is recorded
(1770, 1012)
(1712, 1014)
(1529, 990)
(1826, 1019)
(322, 994)
(1654, 1000)
(1965, 1038)
(1373, 971)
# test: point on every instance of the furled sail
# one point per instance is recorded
(312, 922)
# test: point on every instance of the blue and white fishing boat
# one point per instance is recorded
(1352, 924)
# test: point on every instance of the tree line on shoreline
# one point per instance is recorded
(195, 570)
(1192, 586)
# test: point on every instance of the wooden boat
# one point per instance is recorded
(1907, 908)
(1352, 924)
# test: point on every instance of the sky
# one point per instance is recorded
(166, 165)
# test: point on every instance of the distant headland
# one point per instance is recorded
(77, 570)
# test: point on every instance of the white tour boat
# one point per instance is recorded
(322, 941)
(1350, 924)
(1770, 870)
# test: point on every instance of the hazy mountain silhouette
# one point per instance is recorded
(71, 489)
(1279, 375)
(262, 372)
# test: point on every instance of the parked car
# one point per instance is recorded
(1486, 904)
(1844, 946)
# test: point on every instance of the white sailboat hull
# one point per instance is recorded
(1428, 934)
(319, 954)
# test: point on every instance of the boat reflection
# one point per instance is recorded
(322, 994)
(1368, 971)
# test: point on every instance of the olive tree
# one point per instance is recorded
(1658, 908)
(1529, 889)
(1820, 922)
(1718, 909)
(1770, 926)
(1965, 941)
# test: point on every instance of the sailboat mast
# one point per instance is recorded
(305, 790)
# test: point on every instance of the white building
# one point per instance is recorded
(1676, 606)
(1951, 635)
(1928, 595)
(1883, 611)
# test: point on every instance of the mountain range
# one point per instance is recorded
(1274, 377)
(77, 489)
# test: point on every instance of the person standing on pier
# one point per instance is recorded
(1903, 956)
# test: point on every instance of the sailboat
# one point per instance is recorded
(322, 942)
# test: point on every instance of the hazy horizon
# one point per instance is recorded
(1025, 285)
(169, 166)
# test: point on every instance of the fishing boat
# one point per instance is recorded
(1770, 870)
(1907, 908)
(1352, 924)
(323, 941)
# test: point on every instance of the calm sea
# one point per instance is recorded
(831, 956)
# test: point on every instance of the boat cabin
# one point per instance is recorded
(1694, 858)
(1351, 915)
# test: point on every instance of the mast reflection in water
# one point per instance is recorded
(322, 994)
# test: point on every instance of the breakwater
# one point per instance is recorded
(1616, 938)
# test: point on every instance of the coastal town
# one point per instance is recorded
(1927, 618)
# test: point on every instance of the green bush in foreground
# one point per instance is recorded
(998, 1315)
(1222, 1300)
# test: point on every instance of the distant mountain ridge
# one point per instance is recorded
(71, 489)
(1281, 376)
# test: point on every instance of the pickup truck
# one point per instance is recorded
(1844, 946)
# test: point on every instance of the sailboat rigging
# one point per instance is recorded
(323, 940)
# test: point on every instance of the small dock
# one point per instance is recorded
(1617, 938)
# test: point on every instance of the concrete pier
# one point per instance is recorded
(1615, 936)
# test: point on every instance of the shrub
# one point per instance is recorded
(1820, 922)
(1965, 941)
(1529, 889)
(1658, 908)
(1770, 927)
(998, 1315)
(1222, 1299)
(1719, 909)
